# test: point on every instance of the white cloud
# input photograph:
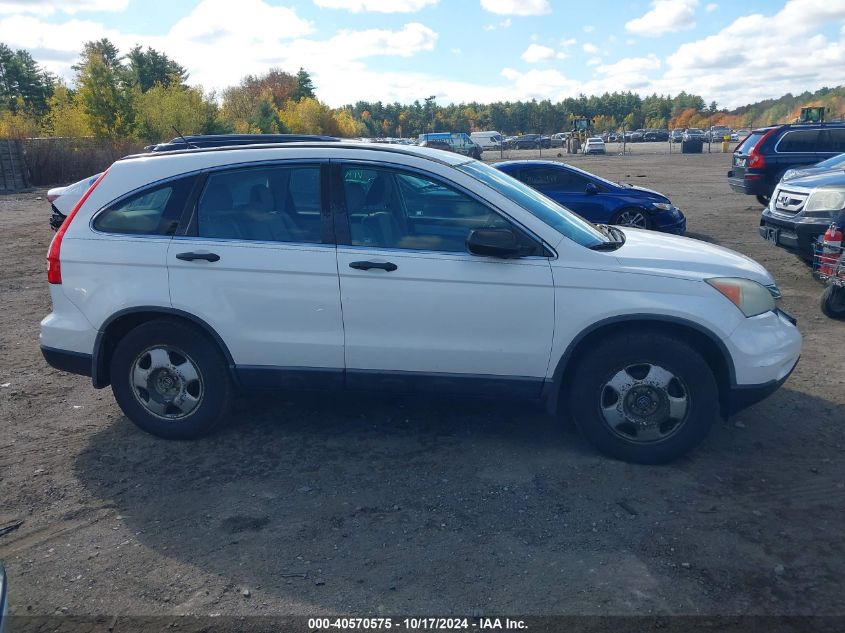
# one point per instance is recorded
(589, 28)
(536, 53)
(49, 7)
(567, 42)
(630, 42)
(594, 61)
(376, 6)
(456, 51)
(590, 48)
(489, 27)
(630, 65)
(510, 73)
(253, 22)
(517, 7)
(710, 8)
(666, 16)
(504, 24)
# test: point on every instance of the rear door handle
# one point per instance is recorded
(388, 266)
(189, 257)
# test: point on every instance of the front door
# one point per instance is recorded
(417, 307)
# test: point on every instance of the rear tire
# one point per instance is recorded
(833, 302)
(764, 200)
(171, 380)
(645, 398)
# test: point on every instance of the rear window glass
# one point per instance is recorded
(153, 211)
(799, 141)
(750, 141)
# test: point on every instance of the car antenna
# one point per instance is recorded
(184, 140)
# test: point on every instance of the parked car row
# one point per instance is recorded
(798, 172)
(646, 332)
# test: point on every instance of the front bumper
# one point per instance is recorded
(673, 222)
(792, 235)
(743, 396)
(764, 349)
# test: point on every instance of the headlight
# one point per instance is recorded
(749, 296)
(663, 206)
(825, 200)
(789, 174)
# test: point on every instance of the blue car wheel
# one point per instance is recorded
(631, 217)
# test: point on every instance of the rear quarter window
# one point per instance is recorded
(153, 211)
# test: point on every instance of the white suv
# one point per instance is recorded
(181, 277)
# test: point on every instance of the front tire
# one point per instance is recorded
(646, 398)
(171, 380)
(633, 217)
(764, 200)
(833, 302)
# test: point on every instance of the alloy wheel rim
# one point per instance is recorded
(644, 403)
(632, 218)
(166, 382)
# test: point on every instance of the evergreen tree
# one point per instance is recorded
(304, 86)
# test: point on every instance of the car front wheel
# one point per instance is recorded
(646, 398)
(764, 200)
(833, 302)
(636, 218)
(170, 380)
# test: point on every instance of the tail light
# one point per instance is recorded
(54, 264)
(755, 159)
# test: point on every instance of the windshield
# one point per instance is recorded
(556, 216)
(833, 162)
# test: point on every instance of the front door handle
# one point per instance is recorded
(388, 266)
(189, 257)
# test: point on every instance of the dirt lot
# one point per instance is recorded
(316, 504)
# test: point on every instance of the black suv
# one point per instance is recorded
(227, 140)
(761, 158)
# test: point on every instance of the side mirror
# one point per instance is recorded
(591, 189)
(493, 243)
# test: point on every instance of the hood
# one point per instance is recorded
(642, 191)
(820, 178)
(670, 255)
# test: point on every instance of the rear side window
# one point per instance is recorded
(268, 204)
(153, 211)
(799, 141)
(750, 141)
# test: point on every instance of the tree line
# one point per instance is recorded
(143, 95)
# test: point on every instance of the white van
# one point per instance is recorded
(487, 140)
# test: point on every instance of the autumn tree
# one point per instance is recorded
(103, 84)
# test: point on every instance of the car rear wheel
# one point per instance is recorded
(170, 380)
(833, 302)
(636, 218)
(764, 200)
(644, 398)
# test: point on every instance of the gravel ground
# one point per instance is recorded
(319, 504)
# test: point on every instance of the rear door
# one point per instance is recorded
(257, 263)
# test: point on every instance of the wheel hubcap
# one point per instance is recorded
(166, 382)
(632, 218)
(644, 403)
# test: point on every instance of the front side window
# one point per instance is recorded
(270, 204)
(393, 209)
(154, 211)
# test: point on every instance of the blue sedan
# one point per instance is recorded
(596, 199)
